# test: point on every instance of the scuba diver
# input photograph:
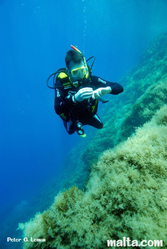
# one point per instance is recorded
(77, 93)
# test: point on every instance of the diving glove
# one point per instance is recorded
(82, 94)
(100, 92)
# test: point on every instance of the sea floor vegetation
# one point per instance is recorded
(125, 196)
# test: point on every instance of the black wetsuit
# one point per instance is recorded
(84, 111)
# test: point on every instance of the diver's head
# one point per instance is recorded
(76, 64)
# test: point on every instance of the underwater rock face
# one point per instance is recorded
(125, 197)
(144, 93)
(144, 108)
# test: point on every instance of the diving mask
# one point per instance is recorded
(80, 72)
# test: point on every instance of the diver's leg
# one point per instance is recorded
(95, 121)
(69, 126)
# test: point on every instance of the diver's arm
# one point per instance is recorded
(99, 82)
(60, 105)
(63, 103)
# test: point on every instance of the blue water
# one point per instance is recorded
(34, 38)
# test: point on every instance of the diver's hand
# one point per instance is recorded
(82, 94)
(100, 92)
